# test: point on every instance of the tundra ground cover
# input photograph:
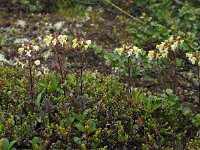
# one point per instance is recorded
(86, 82)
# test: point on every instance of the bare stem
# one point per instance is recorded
(81, 75)
(129, 74)
(174, 74)
(159, 76)
(31, 78)
(59, 65)
(198, 69)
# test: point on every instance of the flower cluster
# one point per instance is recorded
(55, 40)
(81, 43)
(164, 48)
(28, 50)
(195, 59)
(129, 49)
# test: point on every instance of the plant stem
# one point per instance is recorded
(60, 66)
(81, 75)
(129, 74)
(31, 78)
(159, 76)
(174, 73)
(198, 69)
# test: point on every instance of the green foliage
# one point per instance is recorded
(6, 145)
(110, 119)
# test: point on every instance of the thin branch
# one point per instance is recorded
(124, 12)
(179, 2)
(106, 9)
(84, 3)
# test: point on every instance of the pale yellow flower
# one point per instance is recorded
(86, 47)
(151, 55)
(193, 60)
(74, 45)
(189, 55)
(22, 64)
(74, 40)
(119, 50)
(20, 50)
(174, 46)
(137, 52)
(48, 39)
(161, 46)
(171, 39)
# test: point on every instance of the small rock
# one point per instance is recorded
(21, 41)
(21, 23)
(89, 9)
(78, 25)
(58, 25)
(3, 59)
(65, 30)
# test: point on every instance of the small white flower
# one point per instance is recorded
(62, 39)
(88, 42)
(47, 54)
(28, 53)
(45, 70)
(37, 62)
(36, 48)
(130, 52)
(54, 42)
(39, 73)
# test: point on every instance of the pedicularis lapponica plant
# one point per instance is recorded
(100, 115)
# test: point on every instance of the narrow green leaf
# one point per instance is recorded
(12, 143)
(69, 121)
(80, 127)
(38, 100)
